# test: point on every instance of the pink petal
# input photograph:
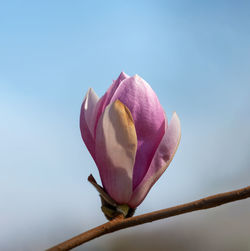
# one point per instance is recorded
(115, 85)
(91, 111)
(116, 145)
(162, 158)
(148, 117)
(87, 108)
(105, 99)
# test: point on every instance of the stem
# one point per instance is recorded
(121, 223)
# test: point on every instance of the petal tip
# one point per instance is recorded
(122, 76)
(176, 118)
(89, 93)
(136, 76)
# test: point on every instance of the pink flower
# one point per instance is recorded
(127, 134)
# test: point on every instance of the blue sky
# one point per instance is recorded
(194, 54)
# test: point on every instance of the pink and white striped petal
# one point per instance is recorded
(161, 160)
(115, 151)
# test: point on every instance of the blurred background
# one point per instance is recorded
(194, 54)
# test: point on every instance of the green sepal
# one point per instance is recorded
(124, 209)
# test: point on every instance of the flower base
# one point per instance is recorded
(109, 207)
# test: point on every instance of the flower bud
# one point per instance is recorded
(127, 134)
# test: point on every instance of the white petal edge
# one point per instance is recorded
(91, 100)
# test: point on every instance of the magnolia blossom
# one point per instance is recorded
(127, 133)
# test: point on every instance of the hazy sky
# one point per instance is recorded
(194, 54)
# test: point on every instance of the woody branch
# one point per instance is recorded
(121, 223)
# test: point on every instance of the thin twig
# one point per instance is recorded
(121, 223)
